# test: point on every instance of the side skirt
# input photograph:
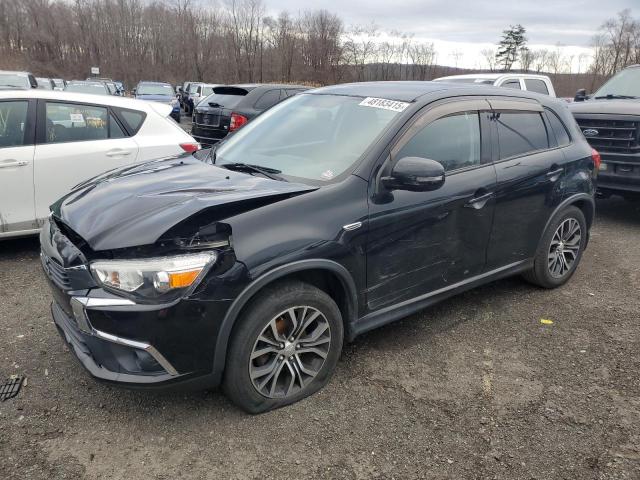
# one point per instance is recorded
(396, 312)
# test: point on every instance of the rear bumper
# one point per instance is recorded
(207, 135)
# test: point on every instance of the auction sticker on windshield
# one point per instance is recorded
(384, 103)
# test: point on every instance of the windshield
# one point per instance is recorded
(149, 89)
(314, 138)
(93, 88)
(14, 81)
(626, 83)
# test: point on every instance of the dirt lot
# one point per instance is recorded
(476, 387)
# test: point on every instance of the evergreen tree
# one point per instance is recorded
(512, 44)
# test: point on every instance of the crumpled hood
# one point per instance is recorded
(621, 107)
(135, 205)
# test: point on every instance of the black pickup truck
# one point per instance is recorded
(610, 121)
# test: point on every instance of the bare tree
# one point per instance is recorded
(489, 55)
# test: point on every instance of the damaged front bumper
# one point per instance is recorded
(119, 340)
(109, 357)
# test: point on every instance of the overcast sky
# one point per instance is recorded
(470, 25)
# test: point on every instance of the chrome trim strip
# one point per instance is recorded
(79, 306)
(140, 346)
(352, 226)
(107, 302)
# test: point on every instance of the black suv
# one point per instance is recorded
(338, 211)
(610, 120)
(230, 107)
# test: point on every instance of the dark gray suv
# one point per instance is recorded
(230, 107)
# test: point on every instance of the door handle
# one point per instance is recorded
(554, 173)
(117, 152)
(479, 201)
(13, 163)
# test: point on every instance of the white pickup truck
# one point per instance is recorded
(519, 81)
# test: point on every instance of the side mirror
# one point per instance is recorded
(415, 174)
(581, 95)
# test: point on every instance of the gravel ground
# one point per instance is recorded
(476, 387)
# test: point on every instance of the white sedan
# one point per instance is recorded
(51, 141)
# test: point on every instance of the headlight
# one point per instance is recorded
(154, 278)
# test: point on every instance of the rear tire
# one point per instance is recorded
(560, 249)
(274, 357)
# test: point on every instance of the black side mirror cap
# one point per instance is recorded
(581, 95)
(415, 174)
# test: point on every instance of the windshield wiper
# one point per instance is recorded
(616, 97)
(215, 105)
(266, 171)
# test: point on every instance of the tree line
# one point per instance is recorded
(232, 42)
(236, 41)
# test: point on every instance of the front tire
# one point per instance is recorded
(560, 249)
(285, 347)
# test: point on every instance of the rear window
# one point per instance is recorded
(520, 133)
(224, 101)
(91, 88)
(512, 84)
(536, 85)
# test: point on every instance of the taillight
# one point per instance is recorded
(237, 121)
(597, 160)
(190, 147)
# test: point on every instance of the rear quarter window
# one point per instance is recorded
(521, 133)
(562, 135)
(267, 100)
(132, 119)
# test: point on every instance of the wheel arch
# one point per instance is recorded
(326, 275)
(583, 201)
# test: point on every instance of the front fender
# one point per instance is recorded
(230, 318)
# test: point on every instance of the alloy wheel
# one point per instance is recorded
(564, 248)
(289, 352)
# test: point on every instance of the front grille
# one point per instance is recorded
(55, 272)
(611, 135)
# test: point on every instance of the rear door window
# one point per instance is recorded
(536, 85)
(515, 83)
(13, 119)
(520, 133)
(268, 99)
(75, 123)
(454, 141)
(290, 92)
